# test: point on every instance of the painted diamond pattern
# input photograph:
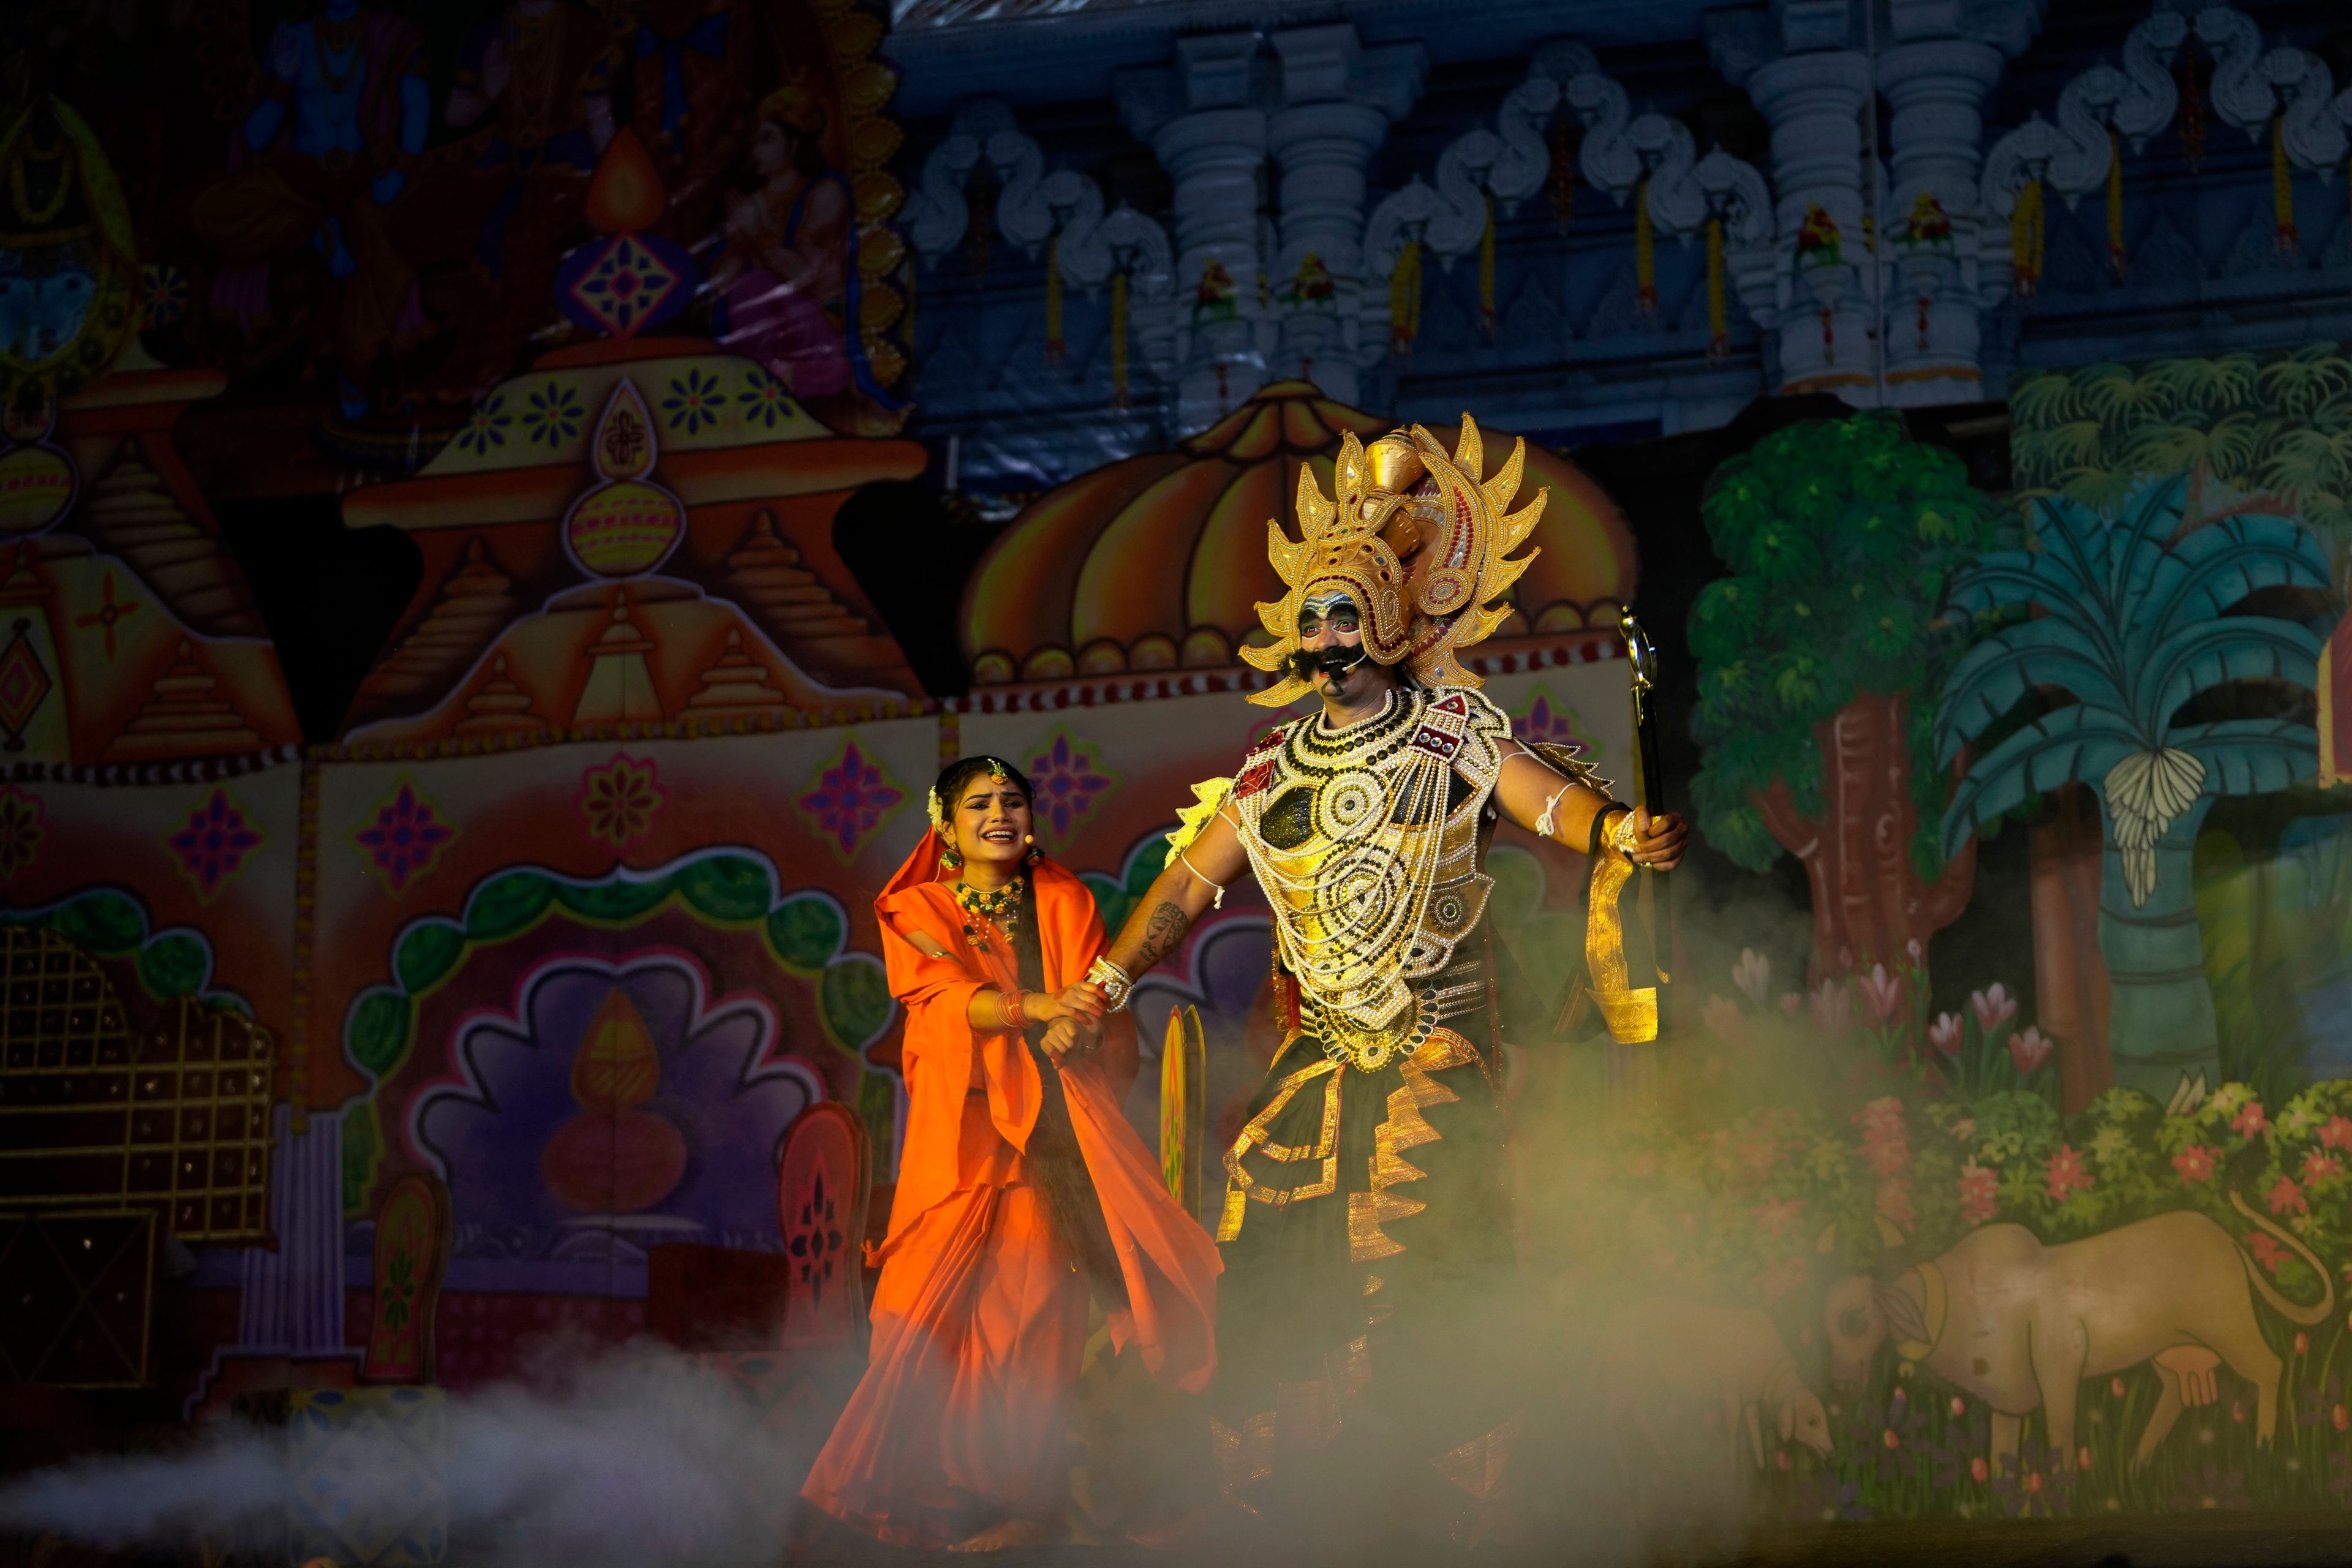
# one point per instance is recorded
(404, 838)
(852, 799)
(625, 285)
(214, 842)
(1068, 784)
(24, 683)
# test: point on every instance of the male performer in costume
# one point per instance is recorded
(1366, 1223)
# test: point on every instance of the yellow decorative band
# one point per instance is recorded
(1631, 1016)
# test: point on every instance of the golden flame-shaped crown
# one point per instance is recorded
(1417, 538)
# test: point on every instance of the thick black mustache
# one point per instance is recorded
(1336, 660)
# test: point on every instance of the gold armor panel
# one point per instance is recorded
(1366, 841)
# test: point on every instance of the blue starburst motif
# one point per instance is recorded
(163, 294)
(764, 398)
(693, 401)
(488, 428)
(554, 414)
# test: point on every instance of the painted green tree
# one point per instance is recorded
(1840, 536)
(2133, 621)
(2277, 422)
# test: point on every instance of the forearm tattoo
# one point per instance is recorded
(1162, 935)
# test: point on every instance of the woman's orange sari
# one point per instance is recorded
(979, 1318)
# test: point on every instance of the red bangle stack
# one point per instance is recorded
(1009, 1003)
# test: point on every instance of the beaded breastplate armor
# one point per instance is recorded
(1366, 841)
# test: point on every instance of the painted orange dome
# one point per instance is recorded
(1157, 561)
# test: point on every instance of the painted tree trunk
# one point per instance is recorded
(2160, 1018)
(2070, 976)
(1869, 905)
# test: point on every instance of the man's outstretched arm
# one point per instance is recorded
(1543, 801)
(1211, 863)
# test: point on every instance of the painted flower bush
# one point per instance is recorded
(1900, 1151)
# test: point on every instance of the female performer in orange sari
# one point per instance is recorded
(1022, 1189)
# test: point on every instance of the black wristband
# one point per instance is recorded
(1601, 827)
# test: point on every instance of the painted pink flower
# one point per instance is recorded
(1979, 1193)
(2286, 1198)
(1774, 1215)
(1753, 974)
(1946, 1034)
(1882, 992)
(2337, 1134)
(2028, 1049)
(1833, 1008)
(1724, 1019)
(2063, 1174)
(1883, 1115)
(1919, 954)
(2266, 1249)
(2250, 1122)
(2319, 1167)
(2196, 1164)
(1993, 1007)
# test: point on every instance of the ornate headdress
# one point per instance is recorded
(1424, 569)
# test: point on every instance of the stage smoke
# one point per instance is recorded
(635, 1456)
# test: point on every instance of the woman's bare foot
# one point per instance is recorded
(1012, 1533)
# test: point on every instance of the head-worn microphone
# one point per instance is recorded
(1336, 659)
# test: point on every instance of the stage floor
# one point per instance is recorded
(2188, 1540)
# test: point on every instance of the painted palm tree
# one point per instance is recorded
(2134, 625)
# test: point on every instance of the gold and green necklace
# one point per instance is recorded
(1001, 908)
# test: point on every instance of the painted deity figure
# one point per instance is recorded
(317, 163)
(786, 274)
(1022, 1194)
(1365, 1227)
(532, 83)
